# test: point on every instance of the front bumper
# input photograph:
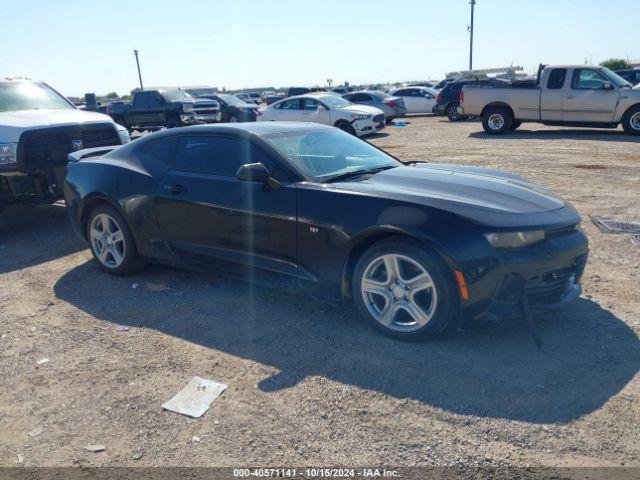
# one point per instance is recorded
(368, 126)
(187, 118)
(208, 117)
(548, 274)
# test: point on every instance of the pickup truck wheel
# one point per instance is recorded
(631, 121)
(233, 119)
(452, 112)
(497, 120)
(515, 125)
(173, 123)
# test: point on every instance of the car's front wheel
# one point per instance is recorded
(111, 241)
(346, 126)
(404, 290)
(631, 121)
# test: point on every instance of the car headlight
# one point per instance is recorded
(8, 153)
(360, 116)
(514, 239)
(123, 133)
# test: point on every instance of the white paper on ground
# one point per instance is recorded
(196, 398)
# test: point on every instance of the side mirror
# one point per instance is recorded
(607, 86)
(253, 172)
(321, 108)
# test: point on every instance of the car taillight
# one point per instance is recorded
(391, 103)
(439, 98)
(461, 96)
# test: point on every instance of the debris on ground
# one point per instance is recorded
(42, 361)
(195, 439)
(95, 448)
(20, 459)
(135, 285)
(122, 328)
(157, 287)
(196, 398)
(36, 431)
(635, 239)
(137, 455)
(611, 225)
(400, 124)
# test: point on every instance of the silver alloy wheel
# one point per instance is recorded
(634, 121)
(107, 240)
(453, 112)
(496, 121)
(399, 292)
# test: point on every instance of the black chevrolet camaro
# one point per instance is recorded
(417, 247)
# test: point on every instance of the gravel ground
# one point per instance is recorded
(310, 383)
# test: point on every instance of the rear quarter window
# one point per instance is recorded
(162, 150)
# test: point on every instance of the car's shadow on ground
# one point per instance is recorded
(564, 134)
(31, 236)
(588, 357)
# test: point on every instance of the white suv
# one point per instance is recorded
(328, 109)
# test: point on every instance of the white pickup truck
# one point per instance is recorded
(571, 95)
(38, 129)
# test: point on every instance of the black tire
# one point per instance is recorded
(131, 261)
(497, 120)
(174, 122)
(631, 121)
(452, 112)
(346, 127)
(446, 306)
(233, 119)
(515, 125)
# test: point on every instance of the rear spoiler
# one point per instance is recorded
(90, 152)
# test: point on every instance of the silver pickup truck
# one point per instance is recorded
(580, 96)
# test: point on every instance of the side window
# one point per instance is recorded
(403, 92)
(162, 150)
(361, 97)
(155, 100)
(310, 104)
(587, 79)
(140, 100)
(556, 78)
(215, 155)
(293, 104)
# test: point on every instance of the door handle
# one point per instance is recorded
(175, 189)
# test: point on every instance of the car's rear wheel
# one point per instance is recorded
(233, 119)
(452, 112)
(631, 121)
(111, 241)
(497, 120)
(346, 127)
(405, 291)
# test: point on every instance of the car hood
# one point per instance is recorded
(357, 108)
(489, 197)
(14, 123)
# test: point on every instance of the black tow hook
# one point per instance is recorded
(531, 323)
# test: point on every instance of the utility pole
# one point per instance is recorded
(473, 4)
(135, 52)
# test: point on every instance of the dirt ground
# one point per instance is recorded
(310, 383)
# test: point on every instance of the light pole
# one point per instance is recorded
(135, 52)
(473, 4)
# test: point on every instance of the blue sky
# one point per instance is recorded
(81, 46)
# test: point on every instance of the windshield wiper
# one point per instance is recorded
(353, 173)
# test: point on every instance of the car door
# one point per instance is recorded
(410, 102)
(206, 214)
(140, 108)
(587, 100)
(424, 101)
(288, 110)
(552, 95)
(315, 111)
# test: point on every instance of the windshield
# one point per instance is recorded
(335, 101)
(322, 154)
(29, 96)
(232, 100)
(616, 79)
(176, 96)
(379, 93)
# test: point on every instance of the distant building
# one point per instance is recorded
(191, 90)
(635, 63)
